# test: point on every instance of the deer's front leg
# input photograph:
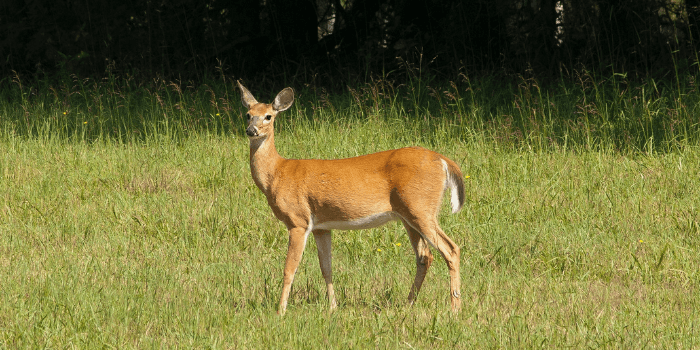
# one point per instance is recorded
(297, 242)
(323, 243)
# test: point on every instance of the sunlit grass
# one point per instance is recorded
(150, 233)
(581, 111)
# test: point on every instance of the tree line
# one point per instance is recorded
(324, 38)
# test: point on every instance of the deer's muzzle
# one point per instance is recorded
(251, 131)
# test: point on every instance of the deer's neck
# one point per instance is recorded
(264, 160)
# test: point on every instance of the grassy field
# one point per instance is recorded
(128, 218)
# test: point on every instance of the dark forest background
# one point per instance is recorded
(331, 41)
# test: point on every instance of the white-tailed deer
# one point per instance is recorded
(317, 196)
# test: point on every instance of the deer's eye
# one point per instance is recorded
(247, 116)
(268, 117)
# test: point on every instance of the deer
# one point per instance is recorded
(317, 196)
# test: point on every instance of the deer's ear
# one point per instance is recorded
(283, 100)
(246, 97)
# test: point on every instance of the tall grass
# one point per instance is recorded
(579, 111)
(148, 232)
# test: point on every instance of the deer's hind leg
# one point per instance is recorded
(423, 260)
(430, 232)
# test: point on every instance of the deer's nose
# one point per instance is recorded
(251, 131)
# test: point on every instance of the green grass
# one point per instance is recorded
(580, 111)
(147, 235)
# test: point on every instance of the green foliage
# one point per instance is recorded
(329, 41)
(146, 230)
(582, 111)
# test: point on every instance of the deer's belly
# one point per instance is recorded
(358, 224)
